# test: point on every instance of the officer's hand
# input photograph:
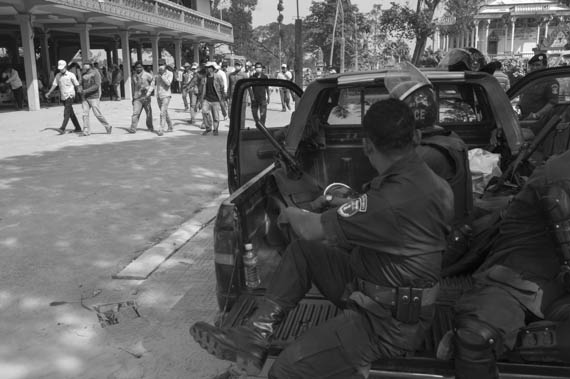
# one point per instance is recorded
(47, 95)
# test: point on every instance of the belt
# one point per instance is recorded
(392, 296)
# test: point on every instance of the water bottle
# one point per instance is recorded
(252, 279)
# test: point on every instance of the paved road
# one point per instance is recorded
(76, 210)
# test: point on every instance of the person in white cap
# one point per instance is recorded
(285, 74)
(68, 84)
(163, 81)
(210, 96)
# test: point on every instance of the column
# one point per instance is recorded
(486, 23)
(109, 58)
(126, 63)
(27, 33)
(538, 34)
(513, 22)
(196, 51)
(84, 40)
(45, 55)
(155, 53)
(139, 51)
(115, 52)
(436, 40)
(506, 43)
(212, 51)
(477, 35)
(178, 53)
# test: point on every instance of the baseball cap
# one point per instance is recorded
(283, 65)
(248, 63)
(538, 58)
(61, 64)
(186, 64)
(194, 65)
(238, 63)
(211, 64)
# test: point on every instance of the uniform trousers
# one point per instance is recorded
(344, 346)
(259, 110)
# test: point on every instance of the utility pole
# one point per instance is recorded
(333, 34)
(342, 39)
(298, 49)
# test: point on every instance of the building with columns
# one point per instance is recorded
(506, 28)
(49, 30)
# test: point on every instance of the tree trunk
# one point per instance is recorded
(419, 49)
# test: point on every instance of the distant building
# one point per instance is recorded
(510, 28)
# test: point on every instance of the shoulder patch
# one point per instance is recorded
(555, 89)
(354, 206)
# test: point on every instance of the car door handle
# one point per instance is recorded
(265, 154)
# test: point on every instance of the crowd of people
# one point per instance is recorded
(205, 87)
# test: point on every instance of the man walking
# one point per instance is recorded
(163, 94)
(143, 86)
(260, 96)
(67, 83)
(13, 79)
(211, 94)
(238, 74)
(285, 74)
(91, 84)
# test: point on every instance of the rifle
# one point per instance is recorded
(527, 149)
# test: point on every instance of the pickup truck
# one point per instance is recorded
(289, 159)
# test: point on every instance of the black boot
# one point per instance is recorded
(246, 345)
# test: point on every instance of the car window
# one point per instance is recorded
(461, 104)
(349, 105)
(533, 96)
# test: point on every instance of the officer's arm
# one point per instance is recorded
(307, 225)
(544, 110)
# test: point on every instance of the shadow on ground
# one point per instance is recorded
(72, 218)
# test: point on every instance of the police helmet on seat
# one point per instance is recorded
(408, 84)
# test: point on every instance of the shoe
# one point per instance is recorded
(131, 130)
(215, 133)
(78, 131)
(86, 133)
(246, 345)
(61, 131)
(109, 129)
(160, 133)
(151, 130)
(191, 122)
(205, 132)
(169, 130)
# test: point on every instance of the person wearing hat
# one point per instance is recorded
(238, 74)
(91, 84)
(68, 84)
(163, 81)
(187, 76)
(285, 74)
(223, 102)
(538, 100)
(211, 94)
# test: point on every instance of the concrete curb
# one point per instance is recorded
(146, 263)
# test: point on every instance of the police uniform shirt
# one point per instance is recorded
(537, 96)
(396, 231)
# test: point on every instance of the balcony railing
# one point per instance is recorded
(530, 9)
(158, 13)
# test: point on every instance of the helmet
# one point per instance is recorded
(408, 84)
(467, 59)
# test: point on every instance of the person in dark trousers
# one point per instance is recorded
(364, 256)
(68, 84)
(143, 86)
(13, 79)
(90, 95)
(260, 96)
(524, 278)
(210, 100)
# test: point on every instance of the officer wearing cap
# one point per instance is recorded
(538, 100)
(377, 257)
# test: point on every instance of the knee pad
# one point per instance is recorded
(474, 339)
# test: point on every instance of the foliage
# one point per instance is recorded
(266, 45)
(397, 49)
(318, 31)
(515, 68)
(431, 58)
(464, 12)
(400, 21)
(239, 15)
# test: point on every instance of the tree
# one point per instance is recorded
(318, 29)
(266, 48)
(464, 12)
(403, 22)
(239, 15)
